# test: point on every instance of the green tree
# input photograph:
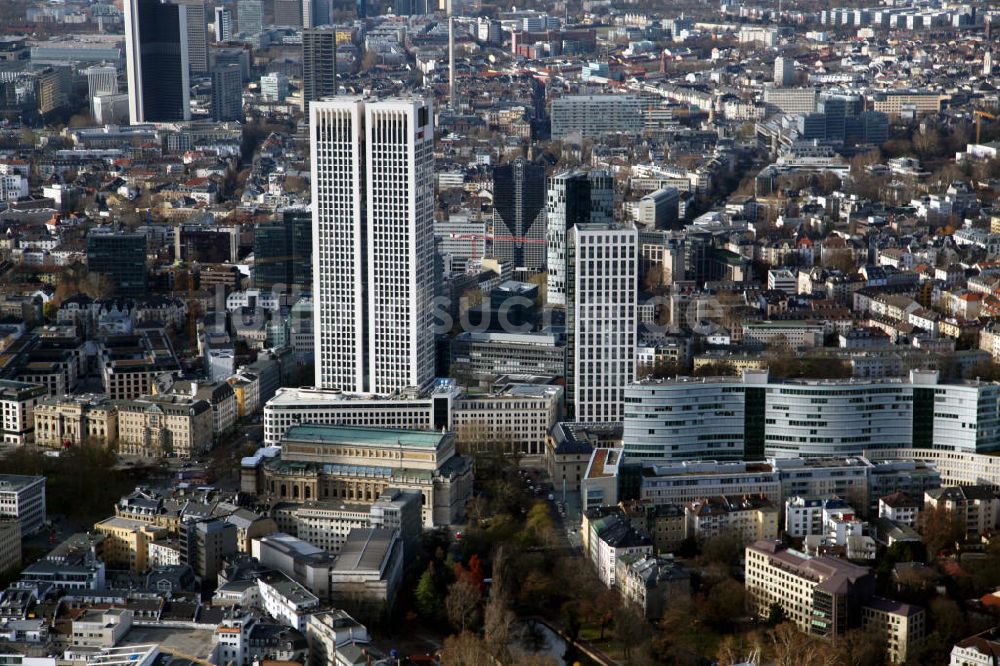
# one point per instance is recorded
(775, 614)
(426, 594)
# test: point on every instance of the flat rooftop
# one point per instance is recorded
(365, 549)
(288, 588)
(338, 434)
(17, 482)
(308, 396)
(296, 548)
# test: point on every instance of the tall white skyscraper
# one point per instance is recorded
(784, 72)
(156, 61)
(373, 243)
(601, 319)
(223, 24)
(197, 35)
(573, 197)
(101, 80)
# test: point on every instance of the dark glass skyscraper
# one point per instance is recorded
(519, 214)
(120, 256)
(288, 13)
(574, 197)
(227, 93)
(283, 251)
(156, 46)
(319, 64)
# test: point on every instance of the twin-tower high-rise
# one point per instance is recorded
(373, 243)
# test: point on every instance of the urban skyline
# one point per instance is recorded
(437, 332)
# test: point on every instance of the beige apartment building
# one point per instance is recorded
(127, 542)
(821, 595)
(101, 628)
(161, 425)
(73, 420)
(893, 103)
(825, 597)
(903, 625)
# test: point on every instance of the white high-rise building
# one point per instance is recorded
(274, 87)
(223, 24)
(373, 240)
(784, 72)
(573, 197)
(601, 318)
(101, 80)
(197, 35)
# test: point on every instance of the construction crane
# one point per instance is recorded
(979, 115)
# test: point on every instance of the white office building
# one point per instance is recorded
(602, 318)
(592, 116)
(681, 482)
(373, 277)
(659, 209)
(784, 72)
(790, 100)
(101, 80)
(13, 186)
(292, 406)
(686, 419)
(755, 417)
(285, 600)
(274, 87)
(110, 109)
(223, 24)
(23, 498)
(836, 418)
(520, 415)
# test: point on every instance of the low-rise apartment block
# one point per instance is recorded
(752, 518)
(127, 542)
(904, 627)
(652, 582)
(17, 405)
(611, 538)
(976, 508)
(899, 508)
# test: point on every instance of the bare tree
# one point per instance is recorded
(791, 647)
(497, 625)
(939, 527)
(462, 604)
(465, 649)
